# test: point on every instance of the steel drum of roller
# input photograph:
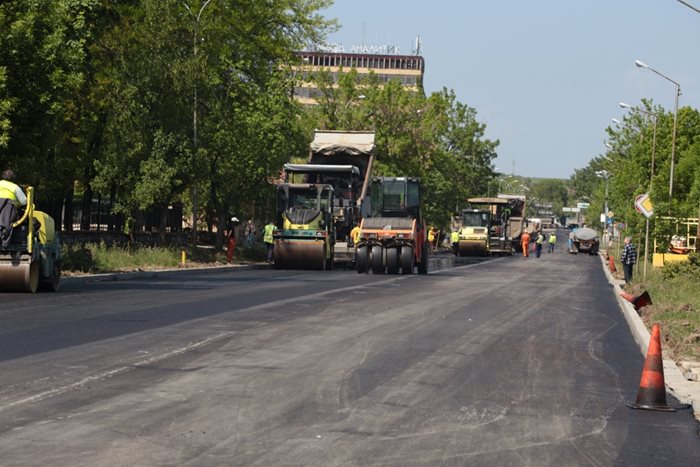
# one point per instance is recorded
(472, 248)
(300, 254)
(18, 274)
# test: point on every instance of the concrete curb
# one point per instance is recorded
(687, 392)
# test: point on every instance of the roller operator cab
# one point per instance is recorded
(393, 236)
(305, 232)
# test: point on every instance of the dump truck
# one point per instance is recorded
(352, 153)
(32, 258)
(305, 234)
(393, 235)
(585, 240)
(490, 226)
(516, 223)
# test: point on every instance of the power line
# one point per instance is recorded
(689, 5)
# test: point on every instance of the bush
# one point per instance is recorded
(687, 269)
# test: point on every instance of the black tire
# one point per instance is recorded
(377, 260)
(407, 260)
(53, 283)
(362, 260)
(423, 265)
(324, 262)
(392, 260)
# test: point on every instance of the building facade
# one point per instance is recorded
(408, 69)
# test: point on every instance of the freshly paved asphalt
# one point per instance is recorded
(510, 361)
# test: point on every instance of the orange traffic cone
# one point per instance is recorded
(652, 388)
(627, 296)
(611, 263)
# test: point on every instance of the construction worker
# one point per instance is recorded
(11, 199)
(355, 235)
(525, 242)
(539, 241)
(431, 238)
(551, 242)
(454, 239)
(269, 239)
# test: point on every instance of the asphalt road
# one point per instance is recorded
(512, 361)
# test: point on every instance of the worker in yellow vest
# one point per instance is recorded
(11, 199)
(269, 239)
(355, 235)
(454, 239)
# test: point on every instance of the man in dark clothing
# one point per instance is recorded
(628, 259)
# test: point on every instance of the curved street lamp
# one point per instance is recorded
(194, 116)
(641, 64)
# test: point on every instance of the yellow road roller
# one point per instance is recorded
(305, 235)
(32, 259)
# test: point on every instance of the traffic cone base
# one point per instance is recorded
(642, 300)
(652, 388)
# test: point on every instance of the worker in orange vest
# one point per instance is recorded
(525, 242)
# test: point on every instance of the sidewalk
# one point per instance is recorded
(686, 391)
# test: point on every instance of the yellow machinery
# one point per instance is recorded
(474, 233)
(33, 256)
(492, 226)
(306, 233)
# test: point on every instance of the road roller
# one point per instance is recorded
(32, 259)
(490, 225)
(474, 233)
(393, 236)
(305, 235)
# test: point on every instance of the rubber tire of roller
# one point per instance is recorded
(362, 260)
(392, 260)
(53, 283)
(407, 260)
(377, 260)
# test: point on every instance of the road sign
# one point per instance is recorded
(583, 205)
(566, 209)
(642, 203)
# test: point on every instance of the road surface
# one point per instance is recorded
(512, 361)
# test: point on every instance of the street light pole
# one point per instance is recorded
(194, 117)
(641, 64)
(604, 174)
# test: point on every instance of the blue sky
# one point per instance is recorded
(544, 76)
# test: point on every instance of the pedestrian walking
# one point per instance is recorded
(551, 242)
(250, 234)
(269, 239)
(525, 243)
(539, 241)
(231, 238)
(628, 259)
